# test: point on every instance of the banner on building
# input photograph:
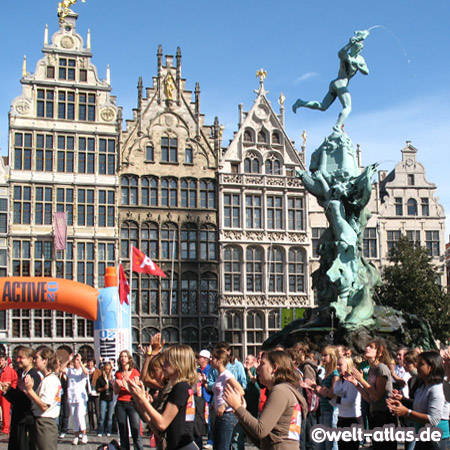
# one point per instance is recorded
(60, 230)
(290, 314)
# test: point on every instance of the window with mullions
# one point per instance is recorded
(169, 149)
(232, 210)
(86, 107)
(255, 331)
(149, 242)
(251, 165)
(65, 154)
(129, 190)
(208, 293)
(85, 202)
(254, 266)
(171, 335)
(66, 69)
(398, 204)
(22, 204)
(149, 295)
(273, 166)
(3, 218)
(64, 323)
(189, 242)
(64, 203)
(169, 192)
(129, 235)
(107, 156)
(43, 206)
(274, 212)
(234, 327)
(370, 243)
(274, 321)
(295, 213)
(208, 243)
(232, 269)
(106, 209)
(42, 321)
(296, 270)
(190, 336)
(21, 323)
(149, 191)
(189, 293)
(276, 272)
(45, 103)
(425, 203)
(105, 258)
(44, 153)
(316, 234)
(432, 243)
(66, 105)
(169, 241)
(21, 263)
(43, 254)
(64, 262)
(165, 294)
(85, 264)
(188, 193)
(86, 155)
(23, 143)
(253, 211)
(392, 238)
(413, 236)
(207, 194)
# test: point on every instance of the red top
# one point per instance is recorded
(9, 375)
(124, 395)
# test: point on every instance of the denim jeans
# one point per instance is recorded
(326, 419)
(106, 412)
(124, 410)
(223, 431)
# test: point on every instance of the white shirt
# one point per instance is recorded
(350, 404)
(49, 392)
(405, 376)
(76, 385)
(219, 387)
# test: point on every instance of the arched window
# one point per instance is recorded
(169, 241)
(169, 192)
(189, 241)
(153, 191)
(129, 235)
(276, 138)
(274, 320)
(147, 334)
(150, 239)
(188, 193)
(248, 136)
(273, 166)
(189, 293)
(167, 305)
(254, 269)
(411, 206)
(129, 188)
(86, 352)
(208, 243)
(262, 137)
(208, 293)
(251, 164)
(232, 269)
(209, 336)
(296, 270)
(207, 194)
(171, 335)
(149, 191)
(189, 336)
(276, 278)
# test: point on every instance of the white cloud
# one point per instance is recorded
(305, 77)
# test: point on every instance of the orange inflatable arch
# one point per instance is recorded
(49, 293)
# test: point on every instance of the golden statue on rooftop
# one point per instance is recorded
(64, 9)
(262, 74)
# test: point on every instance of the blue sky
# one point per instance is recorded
(405, 97)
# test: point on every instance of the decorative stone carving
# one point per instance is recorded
(232, 300)
(272, 181)
(276, 236)
(22, 107)
(107, 114)
(233, 235)
(234, 179)
(253, 180)
(255, 300)
(294, 182)
(254, 235)
(67, 42)
(296, 237)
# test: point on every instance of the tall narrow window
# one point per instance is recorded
(23, 143)
(392, 238)
(232, 269)
(149, 153)
(44, 153)
(106, 210)
(106, 156)
(232, 210)
(296, 270)
(66, 69)
(188, 155)
(276, 275)
(169, 192)
(85, 264)
(86, 155)
(45, 103)
(65, 154)
(22, 204)
(189, 242)
(425, 202)
(254, 269)
(253, 211)
(66, 105)
(169, 242)
(43, 206)
(64, 203)
(207, 194)
(169, 149)
(274, 212)
(208, 243)
(295, 213)
(411, 206)
(188, 193)
(432, 243)
(315, 240)
(370, 243)
(189, 293)
(398, 202)
(85, 207)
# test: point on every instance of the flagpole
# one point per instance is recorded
(171, 274)
(131, 298)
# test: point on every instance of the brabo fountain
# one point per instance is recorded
(345, 280)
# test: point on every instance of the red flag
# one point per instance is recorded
(60, 231)
(143, 264)
(124, 287)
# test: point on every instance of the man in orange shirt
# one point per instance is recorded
(8, 375)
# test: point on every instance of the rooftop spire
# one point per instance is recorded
(46, 35)
(88, 40)
(24, 66)
(262, 74)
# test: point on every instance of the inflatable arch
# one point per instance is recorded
(49, 293)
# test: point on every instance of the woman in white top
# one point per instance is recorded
(348, 401)
(46, 401)
(77, 377)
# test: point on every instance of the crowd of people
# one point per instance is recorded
(211, 400)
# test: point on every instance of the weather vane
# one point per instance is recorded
(64, 9)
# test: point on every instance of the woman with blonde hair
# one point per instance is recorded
(279, 425)
(177, 418)
(124, 405)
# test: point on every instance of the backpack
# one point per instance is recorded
(312, 399)
(201, 417)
